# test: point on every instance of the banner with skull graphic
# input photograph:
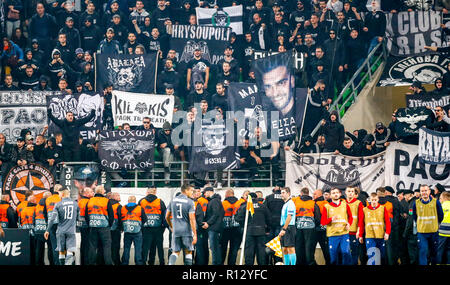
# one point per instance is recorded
(213, 146)
(22, 110)
(81, 106)
(327, 170)
(211, 40)
(132, 73)
(409, 32)
(409, 121)
(127, 149)
(401, 71)
(131, 108)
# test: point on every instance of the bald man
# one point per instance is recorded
(116, 234)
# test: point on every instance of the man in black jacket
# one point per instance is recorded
(5, 156)
(70, 128)
(214, 223)
(257, 226)
(274, 203)
(334, 132)
(51, 155)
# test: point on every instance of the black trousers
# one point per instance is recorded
(151, 242)
(116, 236)
(232, 236)
(40, 250)
(255, 246)
(84, 246)
(321, 238)
(201, 248)
(100, 236)
(305, 246)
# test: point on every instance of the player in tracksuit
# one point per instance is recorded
(66, 213)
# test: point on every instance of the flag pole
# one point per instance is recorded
(243, 238)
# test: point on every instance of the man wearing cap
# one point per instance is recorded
(20, 154)
(90, 34)
(73, 35)
(382, 137)
(120, 30)
(109, 45)
(213, 223)
(197, 70)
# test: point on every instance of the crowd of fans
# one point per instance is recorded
(50, 45)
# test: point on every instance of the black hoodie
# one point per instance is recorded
(334, 133)
(215, 213)
(257, 224)
(150, 198)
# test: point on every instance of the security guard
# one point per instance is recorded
(50, 203)
(7, 214)
(99, 217)
(86, 194)
(410, 232)
(116, 233)
(153, 229)
(231, 233)
(40, 226)
(131, 218)
(201, 247)
(26, 222)
(307, 216)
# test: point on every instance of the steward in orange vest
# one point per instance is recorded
(307, 216)
(201, 248)
(231, 231)
(7, 214)
(153, 228)
(321, 234)
(40, 226)
(131, 218)
(83, 226)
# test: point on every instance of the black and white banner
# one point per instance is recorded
(22, 110)
(132, 73)
(409, 32)
(299, 58)
(244, 97)
(213, 147)
(211, 40)
(275, 78)
(410, 120)
(400, 71)
(404, 171)
(130, 150)
(132, 108)
(81, 106)
(327, 170)
(15, 247)
(434, 147)
(222, 17)
(427, 100)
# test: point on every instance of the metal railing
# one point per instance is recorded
(363, 74)
(178, 175)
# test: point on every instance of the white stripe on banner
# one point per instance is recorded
(226, 17)
(434, 147)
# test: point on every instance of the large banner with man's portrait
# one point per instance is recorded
(22, 110)
(81, 106)
(275, 79)
(212, 41)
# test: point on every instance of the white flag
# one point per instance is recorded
(223, 17)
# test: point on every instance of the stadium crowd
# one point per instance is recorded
(49, 46)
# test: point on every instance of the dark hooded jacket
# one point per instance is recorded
(214, 213)
(312, 148)
(334, 133)
(259, 222)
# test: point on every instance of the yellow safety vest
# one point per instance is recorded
(337, 227)
(427, 219)
(444, 228)
(374, 222)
